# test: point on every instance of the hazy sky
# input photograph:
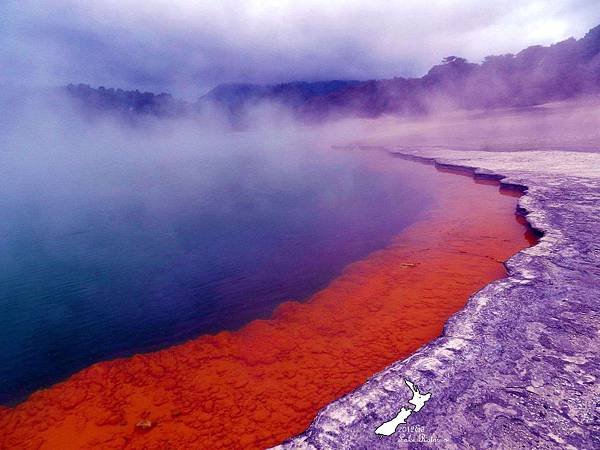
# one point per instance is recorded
(188, 46)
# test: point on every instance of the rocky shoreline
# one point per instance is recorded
(255, 387)
(518, 366)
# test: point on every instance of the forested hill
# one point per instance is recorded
(533, 76)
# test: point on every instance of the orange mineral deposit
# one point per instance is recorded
(257, 386)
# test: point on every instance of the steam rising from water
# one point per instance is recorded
(119, 238)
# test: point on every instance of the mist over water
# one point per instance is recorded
(117, 239)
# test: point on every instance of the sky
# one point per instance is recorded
(189, 46)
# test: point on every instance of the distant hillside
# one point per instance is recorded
(235, 100)
(533, 76)
(231, 100)
(126, 103)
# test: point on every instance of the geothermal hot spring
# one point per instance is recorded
(110, 251)
(273, 272)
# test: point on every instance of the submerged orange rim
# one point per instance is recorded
(257, 386)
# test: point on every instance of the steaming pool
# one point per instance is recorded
(118, 250)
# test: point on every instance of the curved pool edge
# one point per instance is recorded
(502, 374)
(172, 398)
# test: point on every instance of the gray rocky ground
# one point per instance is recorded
(518, 368)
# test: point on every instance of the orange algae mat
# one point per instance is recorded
(257, 386)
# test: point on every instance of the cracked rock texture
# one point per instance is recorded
(519, 366)
(256, 386)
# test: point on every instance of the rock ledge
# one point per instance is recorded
(518, 367)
